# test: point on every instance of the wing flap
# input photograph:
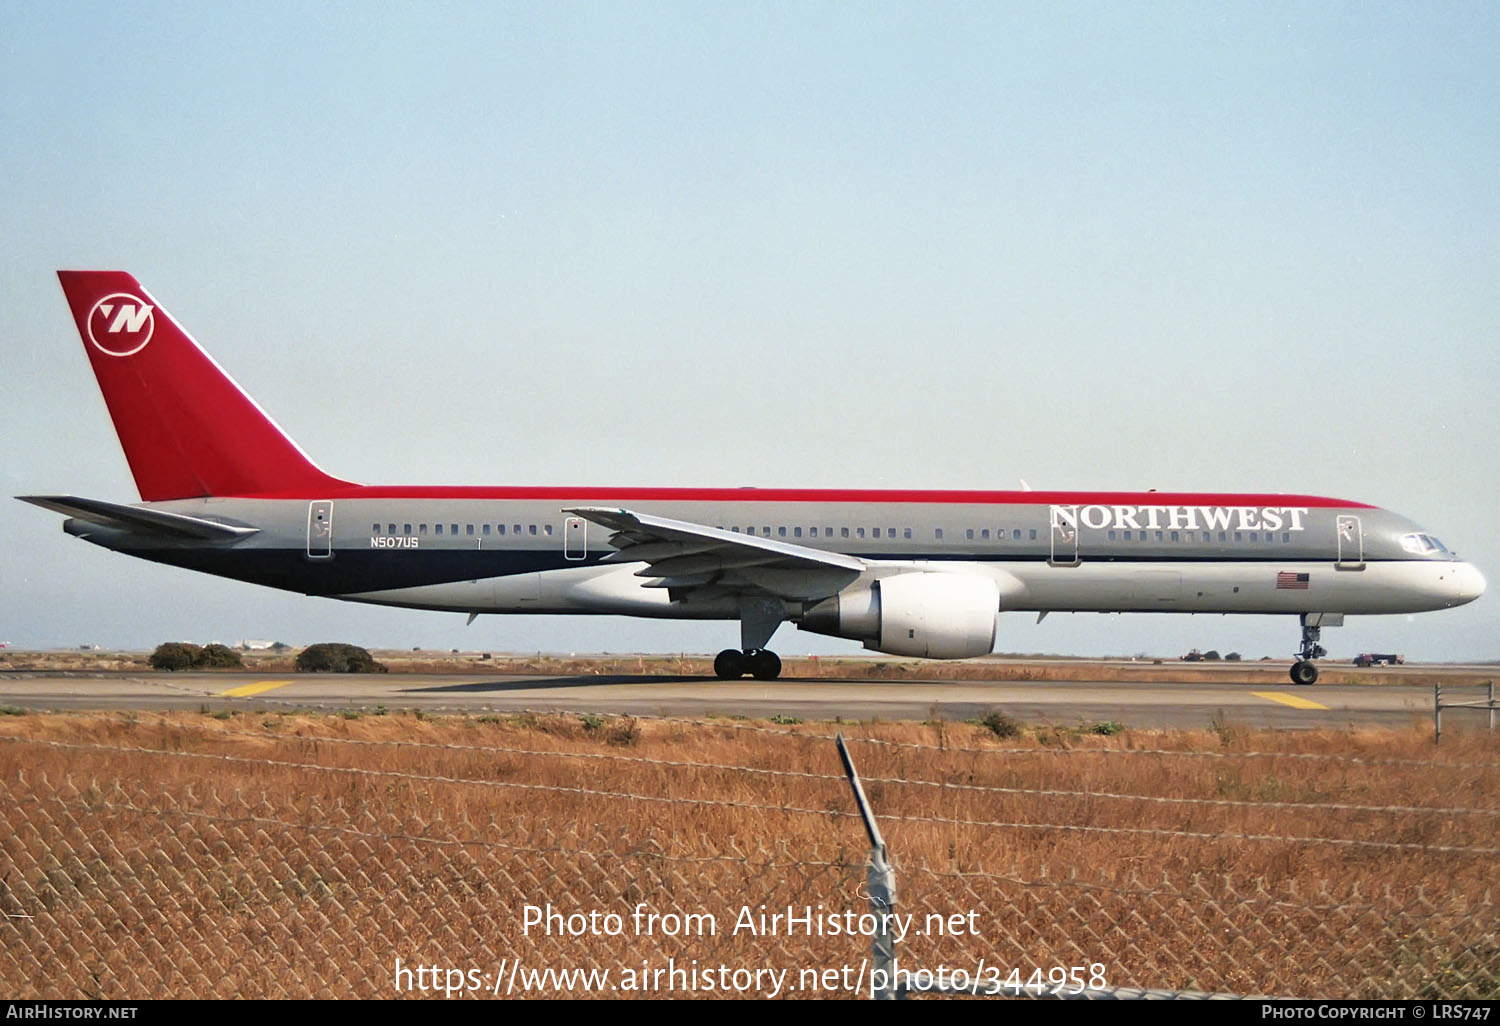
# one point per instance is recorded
(684, 556)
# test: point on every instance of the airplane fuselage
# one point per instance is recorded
(515, 551)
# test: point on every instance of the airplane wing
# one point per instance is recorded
(136, 519)
(692, 557)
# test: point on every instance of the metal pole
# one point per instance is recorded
(1437, 714)
(881, 883)
(1492, 704)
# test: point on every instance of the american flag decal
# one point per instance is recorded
(1295, 582)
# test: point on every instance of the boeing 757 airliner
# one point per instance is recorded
(918, 573)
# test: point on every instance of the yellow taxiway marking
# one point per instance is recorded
(246, 690)
(1286, 699)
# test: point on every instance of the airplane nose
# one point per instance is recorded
(1468, 582)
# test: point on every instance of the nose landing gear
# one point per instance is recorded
(1304, 670)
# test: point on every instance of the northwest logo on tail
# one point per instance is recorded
(121, 324)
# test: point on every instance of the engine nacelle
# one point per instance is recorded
(932, 615)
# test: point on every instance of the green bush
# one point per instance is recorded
(179, 655)
(336, 657)
(218, 657)
(174, 655)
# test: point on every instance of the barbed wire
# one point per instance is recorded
(920, 868)
(263, 821)
(920, 746)
(728, 725)
(916, 745)
(805, 775)
(827, 813)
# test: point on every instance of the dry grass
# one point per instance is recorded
(455, 823)
(878, 667)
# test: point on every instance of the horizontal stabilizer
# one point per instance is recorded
(138, 520)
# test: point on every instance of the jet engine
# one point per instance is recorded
(932, 615)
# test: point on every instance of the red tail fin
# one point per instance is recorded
(187, 429)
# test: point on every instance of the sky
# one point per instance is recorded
(1203, 247)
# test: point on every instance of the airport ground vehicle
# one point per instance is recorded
(1379, 659)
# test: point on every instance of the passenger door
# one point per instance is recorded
(320, 529)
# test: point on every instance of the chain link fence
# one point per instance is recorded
(116, 887)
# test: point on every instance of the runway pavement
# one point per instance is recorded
(1070, 703)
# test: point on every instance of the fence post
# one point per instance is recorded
(1437, 714)
(881, 883)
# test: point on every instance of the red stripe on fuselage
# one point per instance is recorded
(831, 495)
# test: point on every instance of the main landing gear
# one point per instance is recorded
(1304, 670)
(760, 663)
(759, 618)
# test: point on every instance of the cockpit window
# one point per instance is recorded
(1421, 544)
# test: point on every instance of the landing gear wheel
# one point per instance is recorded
(1304, 672)
(729, 664)
(764, 664)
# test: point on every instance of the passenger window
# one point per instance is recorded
(796, 532)
(907, 534)
(486, 528)
(766, 531)
(455, 528)
(1112, 536)
(406, 529)
(938, 534)
(781, 532)
(1286, 537)
(860, 531)
(843, 532)
(985, 534)
(438, 529)
(1255, 536)
(1238, 536)
(531, 528)
(547, 529)
(421, 528)
(1158, 536)
(374, 528)
(392, 530)
(1033, 534)
(1175, 536)
(736, 530)
(500, 528)
(1016, 534)
(969, 534)
(468, 529)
